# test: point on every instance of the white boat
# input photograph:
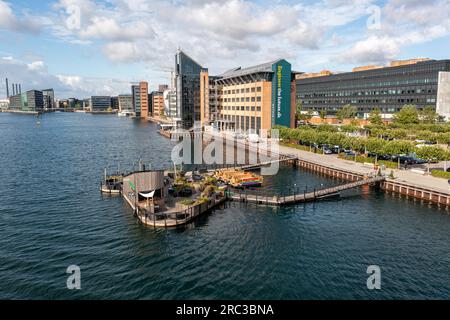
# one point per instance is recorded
(125, 113)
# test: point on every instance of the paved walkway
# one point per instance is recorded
(407, 176)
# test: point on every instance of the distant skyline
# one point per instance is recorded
(84, 47)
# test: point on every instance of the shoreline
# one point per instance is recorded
(408, 183)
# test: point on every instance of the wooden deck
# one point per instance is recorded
(303, 197)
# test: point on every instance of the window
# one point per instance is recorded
(258, 89)
(253, 89)
(258, 99)
(253, 99)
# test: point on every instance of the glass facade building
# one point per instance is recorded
(187, 81)
(385, 88)
(32, 100)
(100, 103)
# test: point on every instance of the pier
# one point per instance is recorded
(305, 196)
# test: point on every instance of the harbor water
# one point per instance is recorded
(52, 216)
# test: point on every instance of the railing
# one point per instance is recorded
(293, 197)
(180, 217)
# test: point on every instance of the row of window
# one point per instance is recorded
(234, 108)
(242, 99)
(365, 109)
(368, 93)
(370, 101)
(244, 122)
(359, 83)
(246, 90)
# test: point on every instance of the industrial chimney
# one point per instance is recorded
(7, 88)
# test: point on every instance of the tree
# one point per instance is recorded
(375, 117)
(432, 153)
(407, 115)
(323, 114)
(428, 115)
(346, 112)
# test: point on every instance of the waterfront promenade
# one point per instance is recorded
(406, 176)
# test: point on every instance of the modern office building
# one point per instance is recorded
(100, 103)
(32, 100)
(187, 81)
(210, 95)
(86, 104)
(145, 109)
(139, 93)
(125, 102)
(420, 82)
(49, 98)
(158, 104)
(250, 99)
(136, 96)
(115, 103)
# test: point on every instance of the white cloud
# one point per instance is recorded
(9, 20)
(221, 34)
(404, 23)
(36, 65)
(34, 75)
(375, 50)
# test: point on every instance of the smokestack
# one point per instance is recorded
(14, 89)
(7, 88)
(20, 88)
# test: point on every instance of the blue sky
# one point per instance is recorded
(84, 47)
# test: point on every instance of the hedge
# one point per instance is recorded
(440, 174)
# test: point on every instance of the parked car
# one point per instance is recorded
(327, 151)
(384, 157)
(336, 149)
(420, 161)
(403, 159)
(349, 153)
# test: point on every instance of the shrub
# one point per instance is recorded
(440, 174)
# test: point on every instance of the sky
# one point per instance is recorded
(85, 47)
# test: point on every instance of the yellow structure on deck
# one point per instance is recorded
(238, 178)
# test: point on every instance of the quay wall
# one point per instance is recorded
(389, 186)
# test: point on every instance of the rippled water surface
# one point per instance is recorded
(52, 216)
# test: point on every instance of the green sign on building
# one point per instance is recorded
(281, 94)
